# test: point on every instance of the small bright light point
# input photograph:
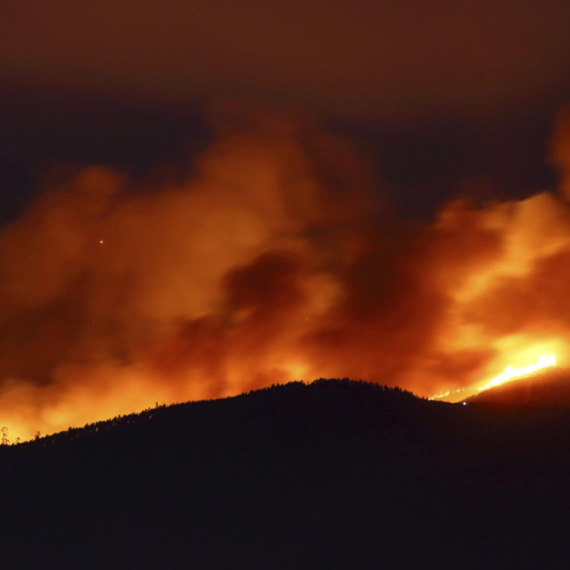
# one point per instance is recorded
(464, 403)
(100, 241)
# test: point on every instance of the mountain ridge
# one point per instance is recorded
(333, 474)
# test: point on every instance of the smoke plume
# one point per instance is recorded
(276, 258)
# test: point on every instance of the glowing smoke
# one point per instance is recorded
(276, 260)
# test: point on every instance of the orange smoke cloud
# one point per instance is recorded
(277, 259)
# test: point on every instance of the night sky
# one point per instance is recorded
(200, 198)
(449, 98)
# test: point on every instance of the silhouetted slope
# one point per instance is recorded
(334, 474)
(548, 388)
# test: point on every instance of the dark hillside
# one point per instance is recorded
(334, 474)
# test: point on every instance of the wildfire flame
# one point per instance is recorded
(511, 373)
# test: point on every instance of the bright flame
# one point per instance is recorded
(510, 372)
(445, 394)
(440, 396)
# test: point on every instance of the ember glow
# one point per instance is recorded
(276, 258)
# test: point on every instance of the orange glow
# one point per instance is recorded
(511, 373)
(276, 260)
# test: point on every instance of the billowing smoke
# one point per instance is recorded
(277, 258)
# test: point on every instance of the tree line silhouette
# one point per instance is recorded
(331, 474)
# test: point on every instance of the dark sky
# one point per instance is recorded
(448, 97)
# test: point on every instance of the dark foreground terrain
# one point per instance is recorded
(334, 474)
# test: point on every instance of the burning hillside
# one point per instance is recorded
(546, 387)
